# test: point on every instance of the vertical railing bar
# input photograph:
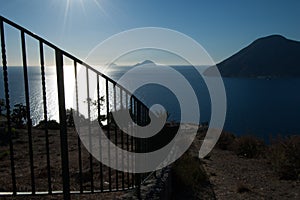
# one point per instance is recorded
(145, 140)
(63, 124)
(7, 102)
(136, 122)
(116, 137)
(99, 121)
(132, 141)
(142, 140)
(145, 145)
(122, 138)
(145, 123)
(127, 140)
(45, 115)
(138, 146)
(29, 123)
(78, 129)
(108, 131)
(89, 128)
(135, 139)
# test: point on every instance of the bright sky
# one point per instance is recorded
(221, 27)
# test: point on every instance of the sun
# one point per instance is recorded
(70, 4)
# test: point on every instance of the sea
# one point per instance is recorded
(262, 107)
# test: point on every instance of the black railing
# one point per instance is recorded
(67, 168)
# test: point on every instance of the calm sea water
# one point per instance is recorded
(254, 106)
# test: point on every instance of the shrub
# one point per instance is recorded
(248, 147)
(189, 173)
(70, 118)
(284, 155)
(52, 125)
(226, 141)
(19, 115)
(4, 135)
(2, 106)
(242, 188)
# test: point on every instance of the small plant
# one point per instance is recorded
(248, 147)
(3, 154)
(284, 156)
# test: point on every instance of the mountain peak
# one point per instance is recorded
(273, 37)
(270, 40)
(270, 56)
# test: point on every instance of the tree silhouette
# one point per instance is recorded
(19, 114)
(94, 108)
(2, 106)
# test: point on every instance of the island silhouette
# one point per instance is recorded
(268, 57)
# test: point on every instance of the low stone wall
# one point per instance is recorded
(156, 187)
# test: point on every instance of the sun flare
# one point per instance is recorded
(81, 7)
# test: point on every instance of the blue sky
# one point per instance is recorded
(221, 27)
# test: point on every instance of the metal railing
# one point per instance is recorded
(62, 173)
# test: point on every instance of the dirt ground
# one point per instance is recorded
(230, 176)
(233, 177)
(22, 166)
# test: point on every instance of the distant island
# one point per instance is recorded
(144, 63)
(268, 57)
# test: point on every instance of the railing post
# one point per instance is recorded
(45, 114)
(108, 131)
(137, 112)
(78, 129)
(7, 103)
(29, 123)
(63, 124)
